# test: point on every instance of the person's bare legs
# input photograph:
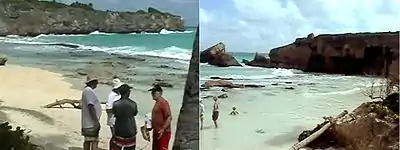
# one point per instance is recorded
(201, 121)
(90, 145)
(86, 145)
(112, 130)
(95, 145)
(215, 124)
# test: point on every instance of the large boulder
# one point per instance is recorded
(216, 55)
(350, 54)
(259, 61)
(3, 60)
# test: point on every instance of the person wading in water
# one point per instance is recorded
(215, 113)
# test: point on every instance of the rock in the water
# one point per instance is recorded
(259, 61)
(260, 131)
(289, 88)
(163, 84)
(221, 78)
(3, 60)
(227, 84)
(216, 55)
(223, 95)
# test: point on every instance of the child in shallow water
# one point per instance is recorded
(234, 112)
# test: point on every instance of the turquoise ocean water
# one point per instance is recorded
(272, 117)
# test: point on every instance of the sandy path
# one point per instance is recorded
(24, 90)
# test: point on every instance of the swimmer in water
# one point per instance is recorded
(234, 112)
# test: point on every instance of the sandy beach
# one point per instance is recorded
(23, 92)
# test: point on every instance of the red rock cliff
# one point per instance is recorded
(357, 53)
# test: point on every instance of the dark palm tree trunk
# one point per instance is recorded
(187, 130)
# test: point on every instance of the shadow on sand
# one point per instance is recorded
(285, 138)
(36, 114)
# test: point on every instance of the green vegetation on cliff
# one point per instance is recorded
(34, 17)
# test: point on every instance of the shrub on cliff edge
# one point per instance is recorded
(15, 139)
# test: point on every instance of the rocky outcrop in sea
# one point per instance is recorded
(32, 18)
(218, 56)
(349, 54)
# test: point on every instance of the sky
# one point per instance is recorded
(188, 9)
(260, 25)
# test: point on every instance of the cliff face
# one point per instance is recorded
(32, 17)
(351, 54)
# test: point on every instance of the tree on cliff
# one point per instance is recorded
(381, 88)
(77, 4)
(187, 130)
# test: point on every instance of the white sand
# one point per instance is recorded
(32, 88)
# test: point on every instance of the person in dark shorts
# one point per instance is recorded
(215, 113)
(160, 120)
(90, 115)
(125, 129)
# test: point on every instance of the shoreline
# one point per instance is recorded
(48, 126)
(97, 32)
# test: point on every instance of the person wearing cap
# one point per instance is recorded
(124, 110)
(234, 112)
(113, 96)
(90, 114)
(161, 119)
(202, 110)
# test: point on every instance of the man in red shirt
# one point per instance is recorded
(160, 120)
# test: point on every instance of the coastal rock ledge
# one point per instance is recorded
(349, 54)
(34, 17)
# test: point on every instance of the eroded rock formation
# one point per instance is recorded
(187, 130)
(371, 126)
(350, 54)
(216, 55)
(258, 61)
(33, 17)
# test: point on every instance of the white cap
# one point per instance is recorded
(117, 83)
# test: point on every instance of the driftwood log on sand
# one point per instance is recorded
(318, 133)
(75, 103)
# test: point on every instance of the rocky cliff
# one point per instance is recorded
(33, 17)
(350, 54)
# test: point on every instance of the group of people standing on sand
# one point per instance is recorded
(121, 112)
(215, 112)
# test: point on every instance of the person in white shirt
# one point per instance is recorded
(90, 115)
(202, 110)
(113, 96)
